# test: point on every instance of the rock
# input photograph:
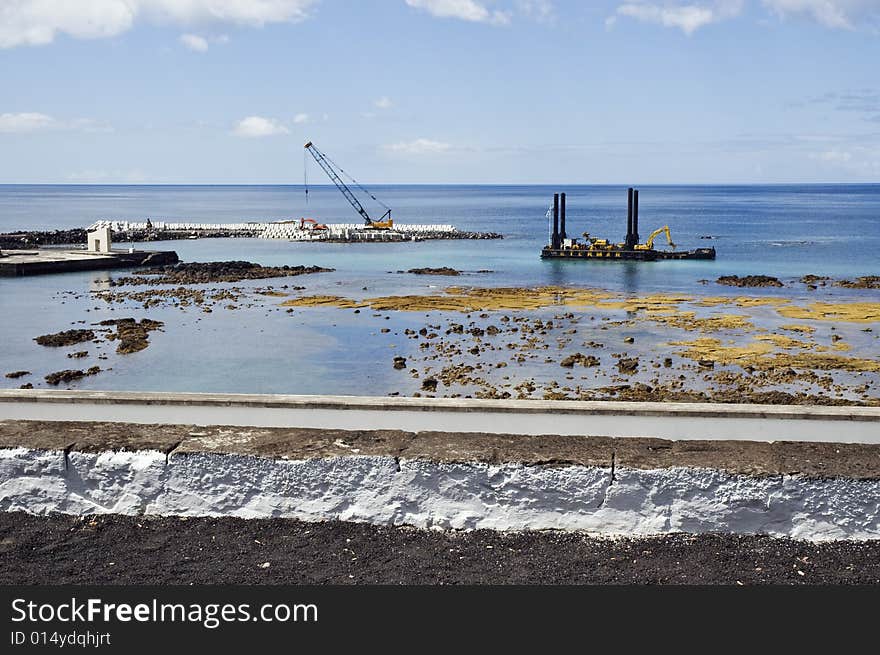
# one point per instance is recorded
(443, 270)
(579, 358)
(706, 363)
(69, 375)
(667, 362)
(17, 374)
(865, 282)
(204, 272)
(132, 336)
(749, 281)
(26, 385)
(20, 240)
(628, 340)
(811, 280)
(66, 338)
(79, 354)
(399, 362)
(429, 384)
(628, 365)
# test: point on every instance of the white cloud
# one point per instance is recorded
(301, 118)
(25, 122)
(38, 22)
(258, 126)
(686, 17)
(469, 10)
(834, 156)
(855, 161)
(85, 125)
(418, 147)
(837, 14)
(135, 176)
(383, 103)
(539, 10)
(194, 42)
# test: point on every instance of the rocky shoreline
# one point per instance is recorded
(555, 343)
(212, 272)
(29, 239)
(512, 348)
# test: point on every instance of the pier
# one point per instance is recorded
(17, 263)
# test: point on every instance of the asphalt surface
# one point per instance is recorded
(114, 549)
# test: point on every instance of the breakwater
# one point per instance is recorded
(286, 230)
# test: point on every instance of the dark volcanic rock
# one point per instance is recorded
(34, 239)
(66, 338)
(443, 270)
(17, 374)
(132, 336)
(749, 281)
(865, 282)
(206, 272)
(628, 365)
(429, 384)
(399, 362)
(579, 358)
(814, 279)
(69, 375)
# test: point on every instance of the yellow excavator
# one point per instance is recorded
(649, 244)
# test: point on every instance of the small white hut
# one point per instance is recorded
(98, 240)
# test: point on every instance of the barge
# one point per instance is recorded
(594, 248)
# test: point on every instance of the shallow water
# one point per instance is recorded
(786, 231)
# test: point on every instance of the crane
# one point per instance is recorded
(649, 244)
(384, 223)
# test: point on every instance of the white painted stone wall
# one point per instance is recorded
(383, 490)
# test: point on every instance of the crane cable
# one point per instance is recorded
(306, 175)
(355, 182)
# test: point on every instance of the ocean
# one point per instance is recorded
(786, 231)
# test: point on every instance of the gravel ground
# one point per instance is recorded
(114, 549)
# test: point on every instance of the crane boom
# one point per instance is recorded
(324, 162)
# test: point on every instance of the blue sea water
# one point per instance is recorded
(785, 231)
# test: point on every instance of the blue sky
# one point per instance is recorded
(440, 91)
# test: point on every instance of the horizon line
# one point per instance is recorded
(439, 184)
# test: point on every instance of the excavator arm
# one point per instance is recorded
(649, 244)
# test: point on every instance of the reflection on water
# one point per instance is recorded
(100, 281)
